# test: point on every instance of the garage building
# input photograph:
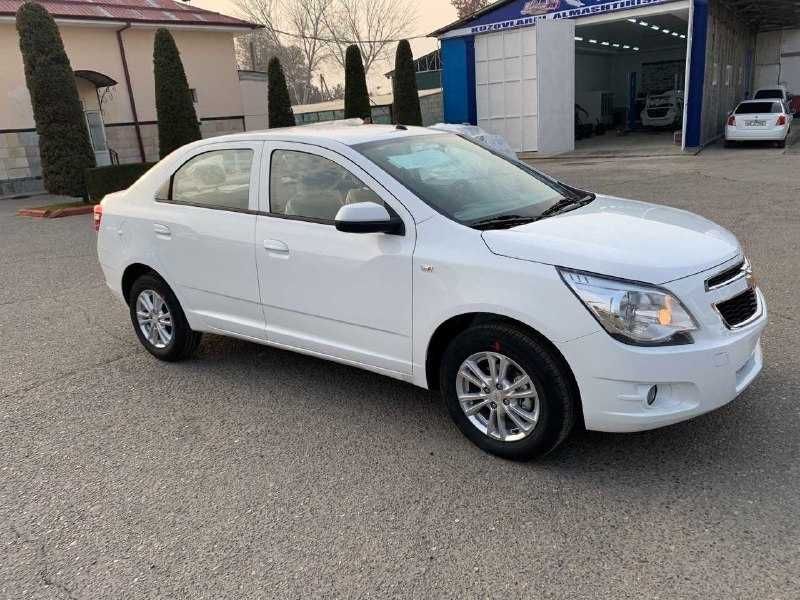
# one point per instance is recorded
(668, 71)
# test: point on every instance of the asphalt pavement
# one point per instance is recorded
(250, 472)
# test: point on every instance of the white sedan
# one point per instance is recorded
(759, 121)
(420, 255)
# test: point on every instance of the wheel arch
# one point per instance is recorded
(454, 325)
(131, 273)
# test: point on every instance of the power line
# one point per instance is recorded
(333, 41)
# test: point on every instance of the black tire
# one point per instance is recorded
(184, 340)
(558, 402)
(781, 144)
(730, 144)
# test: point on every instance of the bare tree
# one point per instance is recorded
(291, 28)
(373, 25)
(464, 8)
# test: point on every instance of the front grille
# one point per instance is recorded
(724, 277)
(656, 113)
(739, 309)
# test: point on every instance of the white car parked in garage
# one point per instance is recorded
(663, 110)
(758, 121)
(425, 257)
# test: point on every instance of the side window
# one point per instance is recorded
(310, 186)
(216, 179)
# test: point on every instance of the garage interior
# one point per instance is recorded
(618, 64)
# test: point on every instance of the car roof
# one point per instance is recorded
(760, 101)
(341, 132)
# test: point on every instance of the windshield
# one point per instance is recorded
(752, 108)
(760, 94)
(465, 181)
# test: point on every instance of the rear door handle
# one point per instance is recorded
(276, 246)
(162, 230)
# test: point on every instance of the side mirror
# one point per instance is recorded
(368, 217)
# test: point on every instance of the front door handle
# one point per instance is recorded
(276, 246)
(161, 230)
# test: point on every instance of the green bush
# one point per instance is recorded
(104, 180)
(64, 145)
(177, 120)
(406, 110)
(279, 104)
(356, 98)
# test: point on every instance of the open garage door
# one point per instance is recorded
(630, 78)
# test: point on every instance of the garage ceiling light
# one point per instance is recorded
(592, 41)
(675, 33)
(604, 44)
(644, 23)
(632, 20)
(580, 39)
(656, 27)
(665, 31)
(625, 47)
(615, 45)
(683, 37)
(636, 48)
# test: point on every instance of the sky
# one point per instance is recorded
(431, 14)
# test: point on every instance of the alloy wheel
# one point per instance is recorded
(498, 397)
(154, 318)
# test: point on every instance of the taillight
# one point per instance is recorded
(731, 121)
(97, 216)
(781, 120)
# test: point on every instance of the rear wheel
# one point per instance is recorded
(507, 392)
(730, 144)
(781, 143)
(158, 320)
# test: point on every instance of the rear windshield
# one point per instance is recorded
(760, 94)
(751, 108)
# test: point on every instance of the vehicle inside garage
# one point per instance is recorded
(629, 84)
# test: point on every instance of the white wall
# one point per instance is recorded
(555, 78)
(778, 59)
(609, 72)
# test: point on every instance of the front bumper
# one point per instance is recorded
(668, 119)
(614, 378)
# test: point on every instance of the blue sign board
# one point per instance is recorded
(523, 13)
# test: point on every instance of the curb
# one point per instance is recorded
(54, 213)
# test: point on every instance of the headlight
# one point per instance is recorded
(631, 312)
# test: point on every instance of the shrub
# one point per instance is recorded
(104, 180)
(279, 105)
(356, 98)
(64, 145)
(177, 120)
(406, 108)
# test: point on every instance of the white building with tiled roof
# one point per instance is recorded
(110, 47)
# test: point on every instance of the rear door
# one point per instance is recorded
(204, 232)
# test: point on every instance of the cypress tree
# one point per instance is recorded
(279, 105)
(177, 120)
(64, 144)
(406, 108)
(356, 98)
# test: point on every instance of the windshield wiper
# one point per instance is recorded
(566, 204)
(502, 222)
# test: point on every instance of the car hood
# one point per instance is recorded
(620, 238)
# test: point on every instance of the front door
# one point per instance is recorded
(343, 295)
(97, 135)
(203, 230)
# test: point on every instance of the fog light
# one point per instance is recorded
(651, 395)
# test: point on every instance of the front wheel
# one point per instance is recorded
(507, 392)
(158, 320)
